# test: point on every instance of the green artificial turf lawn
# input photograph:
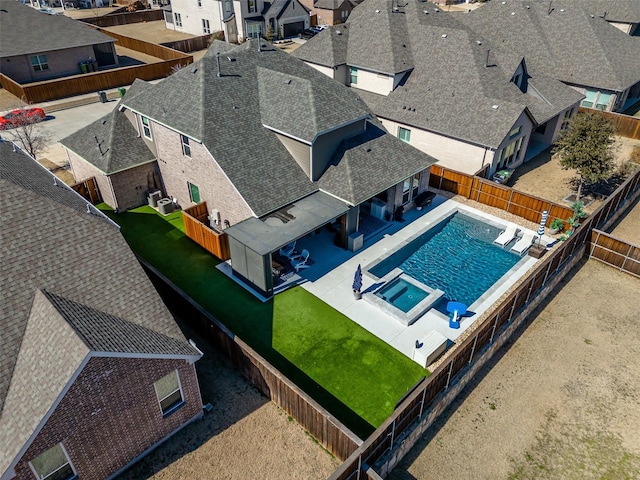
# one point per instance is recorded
(352, 373)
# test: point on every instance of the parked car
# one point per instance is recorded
(20, 116)
(307, 34)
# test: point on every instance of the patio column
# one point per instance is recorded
(349, 223)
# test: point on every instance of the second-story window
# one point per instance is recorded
(178, 18)
(206, 28)
(199, 3)
(146, 127)
(186, 149)
(353, 75)
(252, 6)
(227, 6)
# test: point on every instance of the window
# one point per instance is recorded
(186, 149)
(146, 127)
(344, 15)
(39, 63)
(353, 75)
(253, 8)
(514, 132)
(199, 3)
(565, 121)
(205, 26)
(178, 18)
(253, 30)
(227, 6)
(54, 464)
(169, 393)
(415, 186)
(404, 134)
(603, 101)
(194, 193)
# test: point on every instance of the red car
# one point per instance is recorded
(21, 116)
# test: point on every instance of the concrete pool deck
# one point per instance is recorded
(334, 288)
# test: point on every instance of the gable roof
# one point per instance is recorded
(236, 116)
(60, 244)
(328, 49)
(456, 79)
(26, 31)
(111, 144)
(564, 42)
(331, 4)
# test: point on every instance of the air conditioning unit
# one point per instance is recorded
(165, 206)
(214, 218)
(154, 197)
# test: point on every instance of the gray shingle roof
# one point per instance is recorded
(329, 4)
(626, 11)
(111, 144)
(358, 159)
(567, 44)
(328, 48)
(450, 90)
(50, 242)
(227, 114)
(26, 30)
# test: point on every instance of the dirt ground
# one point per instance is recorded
(561, 402)
(628, 228)
(542, 176)
(244, 436)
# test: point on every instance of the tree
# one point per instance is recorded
(586, 146)
(269, 34)
(28, 134)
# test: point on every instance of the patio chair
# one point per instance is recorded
(524, 243)
(300, 261)
(507, 235)
(287, 250)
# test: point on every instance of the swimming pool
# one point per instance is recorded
(457, 256)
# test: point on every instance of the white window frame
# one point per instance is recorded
(186, 148)
(175, 406)
(193, 200)
(178, 18)
(251, 32)
(206, 26)
(405, 131)
(40, 64)
(252, 5)
(146, 127)
(66, 455)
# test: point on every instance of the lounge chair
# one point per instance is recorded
(300, 261)
(287, 250)
(507, 235)
(524, 243)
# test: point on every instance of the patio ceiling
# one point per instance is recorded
(273, 231)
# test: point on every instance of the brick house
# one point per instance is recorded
(329, 12)
(260, 136)
(442, 88)
(94, 371)
(32, 47)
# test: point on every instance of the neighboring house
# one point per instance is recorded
(441, 88)
(35, 46)
(329, 12)
(622, 14)
(94, 371)
(563, 40)
(276, 150)
(238, 19)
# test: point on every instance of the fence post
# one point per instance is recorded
(626, 258)
(509, 202)
(495, 324)
(393, 433)
(449, 375)
(546, 275)
(424, 395)
(473, 349)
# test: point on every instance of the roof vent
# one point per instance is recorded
(368, 149)
(478, 42)
(104, 122)
(288, 81)
(593, 16)
(426, 12)
(504, 3)
(562, 9)
(528, 7)
(444, 35)
(513, 13)
(377, 11)
(495, 107)
(338, 32)
(235, 107)
(194, 70)
(88, 209)
(436, 10)
(231, 59)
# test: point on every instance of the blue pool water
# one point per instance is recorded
(402, 294)
(457, 256)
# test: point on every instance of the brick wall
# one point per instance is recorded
(132, 186)
(83, 170)
(201, 170)
(111, 414)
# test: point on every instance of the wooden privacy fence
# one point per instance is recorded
(89, 190)
(395, 437)
(495, 195)
(190, 44)
(93, 82)
(626, 125)
(329, 432)
(216, 243)
(126, 18)
(617, 253)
